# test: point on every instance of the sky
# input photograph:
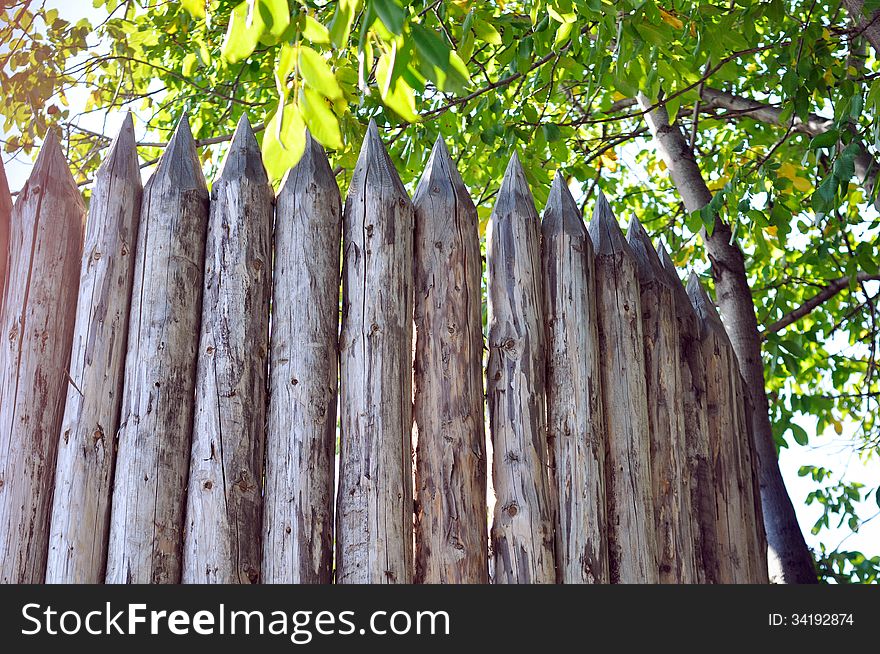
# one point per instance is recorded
(829, 449)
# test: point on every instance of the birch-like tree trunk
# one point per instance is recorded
(36, 322)
(675, 539)
(523, 537)
(149, 493)
(701, 477)
(374, 535)
(301, 435)
(222, 543)
(450, 530)
(574, 403)
(87, 447)
(632, 543)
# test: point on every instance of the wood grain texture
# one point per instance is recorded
(87, 446)
(722, 376)
(5, 225)
(450, 529)
(36, 335)
(523, 539)
(675, 539)
(632, 541)
(222, 543)
(152, 464)
(576, 429)
(696, 429)
(374, 534)
(301, 435)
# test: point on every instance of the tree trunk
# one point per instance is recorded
(375, 501)
(789, 559)
(451, 531)
(523, 539)
(696, 425)
(36, 323)
(301, 438)
(149, 494)
(87, 448)
(675, 538)
(869, 26)
(5, 213)
(632, 539)
(224, 500)
(576, 429)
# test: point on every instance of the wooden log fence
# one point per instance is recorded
(169, 390)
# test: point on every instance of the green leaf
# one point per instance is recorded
(825, 139)
(315, 31)
(284, 65)
(196, 8)
(243, 33)
(276, 16)
(189, 64)
(340, 26)
(391, 14)
(321, 120)
(800, 435)
(317, 74)
(486, 32)
(396, 93)
(284, 141)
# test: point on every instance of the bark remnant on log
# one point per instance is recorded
(451, 530)
(523, 537)
(632, 544)
(222, 543)
(675, 540)
(696, 429)
(36, 336)
(576, 430)
(5, 226)
(149, 494)
(375, 498)
(87, 446)
(301, 438)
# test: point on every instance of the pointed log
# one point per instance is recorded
(86, 450)
(5, 214)
(147, 516)
(523, 527)
(632, 541)
(222, 543)
(451, 531)
(36, 323)
(301, 435)
(576, 430)
(701, 478)
(375, 510)
(722, 375)
(675, 539)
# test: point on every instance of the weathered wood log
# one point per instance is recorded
(152, 464)
(222, 543)
(87, 446)
(5, 214)
(36, 323)
(761, 568)
(523, 539)
(675, 539)
(450, 528)
(374, 535)
(721, 376)
(301, 435)
(632, 540)
(696, 429)
(576, 430)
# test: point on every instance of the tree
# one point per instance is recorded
(744, 133)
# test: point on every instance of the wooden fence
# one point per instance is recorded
(192, 439)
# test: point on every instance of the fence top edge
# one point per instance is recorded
(605, 232)
(179, 165)
(243, 159)
(561, 213)
(312, 167)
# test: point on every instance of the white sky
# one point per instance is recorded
(829, 450)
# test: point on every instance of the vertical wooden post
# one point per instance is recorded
(574, 404)
(147, 515)
(451, 531)
(721, 381)
(696, 429)
(631, 533)
(301, 435)
(375, 499)
(222, 543)
(523, 527)
(675, 540)
(36, 324)
(87, 447)
(5, 213)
